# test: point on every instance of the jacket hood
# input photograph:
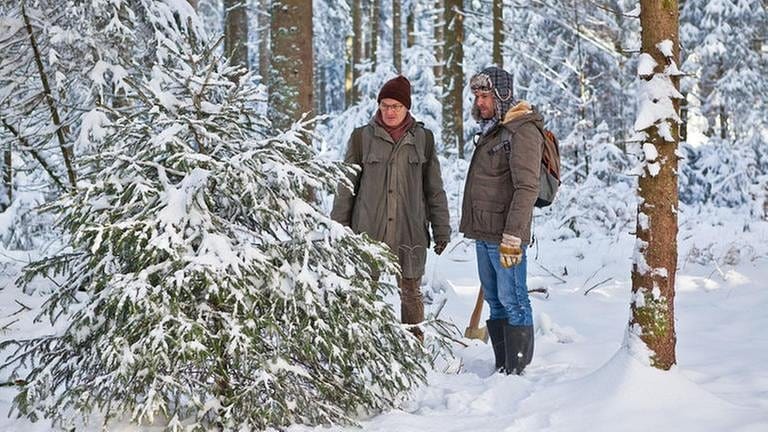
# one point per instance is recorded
(521, 113)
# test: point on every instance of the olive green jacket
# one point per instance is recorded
(503, 179)
(397, 193)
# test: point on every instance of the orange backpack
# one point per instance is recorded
(549, 178)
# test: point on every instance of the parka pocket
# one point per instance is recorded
(412, 260)
(416, 162)
(414, 157)
(488, 216)
(373, 158)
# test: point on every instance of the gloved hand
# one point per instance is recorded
(510, 252)
(440, 246)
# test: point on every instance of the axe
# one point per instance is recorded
(474, 331)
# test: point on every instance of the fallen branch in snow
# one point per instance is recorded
(550, 272)
(540, 291)
(597, 285)
(5, 327)
(23, 307)
(717, 269)
(592, 275)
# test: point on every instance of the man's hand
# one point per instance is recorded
(440, 246)
(510, 252)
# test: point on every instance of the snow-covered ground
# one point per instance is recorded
(580, 378)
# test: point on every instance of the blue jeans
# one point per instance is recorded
(505, 289)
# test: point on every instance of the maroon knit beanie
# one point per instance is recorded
(399, 89)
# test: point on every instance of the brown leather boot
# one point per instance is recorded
(411, 305)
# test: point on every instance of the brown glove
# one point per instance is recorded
(440, 246)
(510, 252)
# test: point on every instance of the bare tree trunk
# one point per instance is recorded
(653, 272)
(498, 34)
(723, 116)
(320, 89)
(375, 26)
(7, 176)
(348, 76)
(684, 118)
(365, 13)
(582, 97)
(262, 20)
(453, 108)
(439, 44)
(397, 36)
(193, 3)
(357, 50)
(61, 130)
(236, 32)
(291, 89)
(410, 24)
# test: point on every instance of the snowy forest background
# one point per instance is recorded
(156, 159)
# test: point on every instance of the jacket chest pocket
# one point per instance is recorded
(415, 157)
(498, 155)
(374, 168)
(373, 159)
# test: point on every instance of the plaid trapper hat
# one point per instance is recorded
(496, 81)
(481, 83)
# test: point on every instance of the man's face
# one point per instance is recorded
(485, 104)
(392, 111)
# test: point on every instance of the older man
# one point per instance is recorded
(399, 191)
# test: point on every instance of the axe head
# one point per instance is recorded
(480, 333)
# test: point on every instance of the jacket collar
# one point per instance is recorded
(382, 133)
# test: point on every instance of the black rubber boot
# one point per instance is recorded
(529, 347)
(496, 333)
(516, 341)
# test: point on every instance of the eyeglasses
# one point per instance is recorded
(395, 107)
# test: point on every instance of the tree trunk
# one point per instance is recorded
(375, 26)
(453, 109)
(348, 75)
(193, 3)
(684, 118)
(357, 50)
(236, 32)
(439, 43)
(263, 21)
(397, 36)
(498, 35)
(61, 129)
(410, 25)
(582, 145)
(6, 201)
(320, 89)
(723, 117)
(291, 71)
(653, 272)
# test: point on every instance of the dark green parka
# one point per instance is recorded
(397, 194)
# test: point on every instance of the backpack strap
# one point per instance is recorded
(505, 144)
(429, 141)
(356, 141)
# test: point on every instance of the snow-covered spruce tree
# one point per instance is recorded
(201, 289)
(56, 65)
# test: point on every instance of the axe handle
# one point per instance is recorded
(474, 320)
